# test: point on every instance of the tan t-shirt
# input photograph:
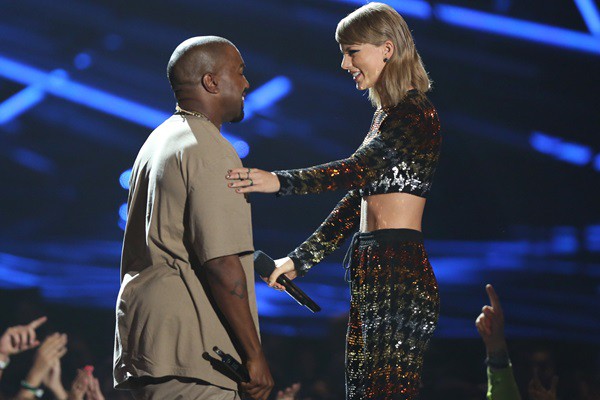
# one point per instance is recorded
(181, 214)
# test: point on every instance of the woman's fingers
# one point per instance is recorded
(247, 180)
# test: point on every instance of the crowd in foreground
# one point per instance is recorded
(44, 377)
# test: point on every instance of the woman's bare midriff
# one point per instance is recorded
(391, 211)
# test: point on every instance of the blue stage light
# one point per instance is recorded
(82, 61)
(58, 84)
(242, 148)
(267, 95)
(30, 96)
(564, 240)
(411, 8)
(597, 162)
(590, 15)
(20, 102)
(592, 238)
(543, 143)
(123, 211)
(573, 153)
(124, 179)
(516, 28)
(33, 160)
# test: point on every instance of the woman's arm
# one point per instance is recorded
(407, 136)
(330, 235)
(402, 137)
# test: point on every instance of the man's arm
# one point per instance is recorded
(227, 282)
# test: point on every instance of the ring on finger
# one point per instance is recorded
(239, 176)
(251, 182)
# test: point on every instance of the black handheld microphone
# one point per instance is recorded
(233, 365)
(264, 265)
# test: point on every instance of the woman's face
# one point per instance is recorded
(365, 62)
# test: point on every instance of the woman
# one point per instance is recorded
(394, 294)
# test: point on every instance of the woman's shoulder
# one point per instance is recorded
(414, 101)
(414, 110)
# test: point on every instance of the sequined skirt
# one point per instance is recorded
(393, 313)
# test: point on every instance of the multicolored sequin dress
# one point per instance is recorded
(394, 294)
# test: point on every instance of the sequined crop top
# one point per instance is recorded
(399, 154)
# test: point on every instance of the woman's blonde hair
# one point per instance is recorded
(375, 23)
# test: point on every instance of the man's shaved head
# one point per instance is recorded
(194, 58)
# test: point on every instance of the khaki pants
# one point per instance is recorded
(174, 388)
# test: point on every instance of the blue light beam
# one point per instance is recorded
(573, 153)
(267, 95)
(590, 15)
(516, 28)
(412, 8)
(20, 102)
(61, 86)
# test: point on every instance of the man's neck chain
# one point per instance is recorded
(179, 110)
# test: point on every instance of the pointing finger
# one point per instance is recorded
(494, 300)
(37, 322)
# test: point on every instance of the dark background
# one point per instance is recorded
(515, 201)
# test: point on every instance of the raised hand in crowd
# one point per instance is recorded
(490, 324)
(46, 357)
(80, 385)
(289, 393)
(53, 381)
(93, 392)
(17, 339)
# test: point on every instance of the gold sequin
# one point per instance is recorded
(399, 154)
(393, 313)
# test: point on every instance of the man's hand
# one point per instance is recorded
(490, 323)
(20, 338)
(261, 382)
(246, 180)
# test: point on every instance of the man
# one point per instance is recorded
(187, 280)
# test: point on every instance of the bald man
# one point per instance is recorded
(187, 281)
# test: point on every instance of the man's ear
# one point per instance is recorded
(210, 83)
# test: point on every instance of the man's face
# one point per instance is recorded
(233, 85)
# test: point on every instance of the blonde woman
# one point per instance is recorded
(394, 293)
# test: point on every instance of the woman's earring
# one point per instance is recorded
(385, 60)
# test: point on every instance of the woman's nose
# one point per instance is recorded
(345, 62)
